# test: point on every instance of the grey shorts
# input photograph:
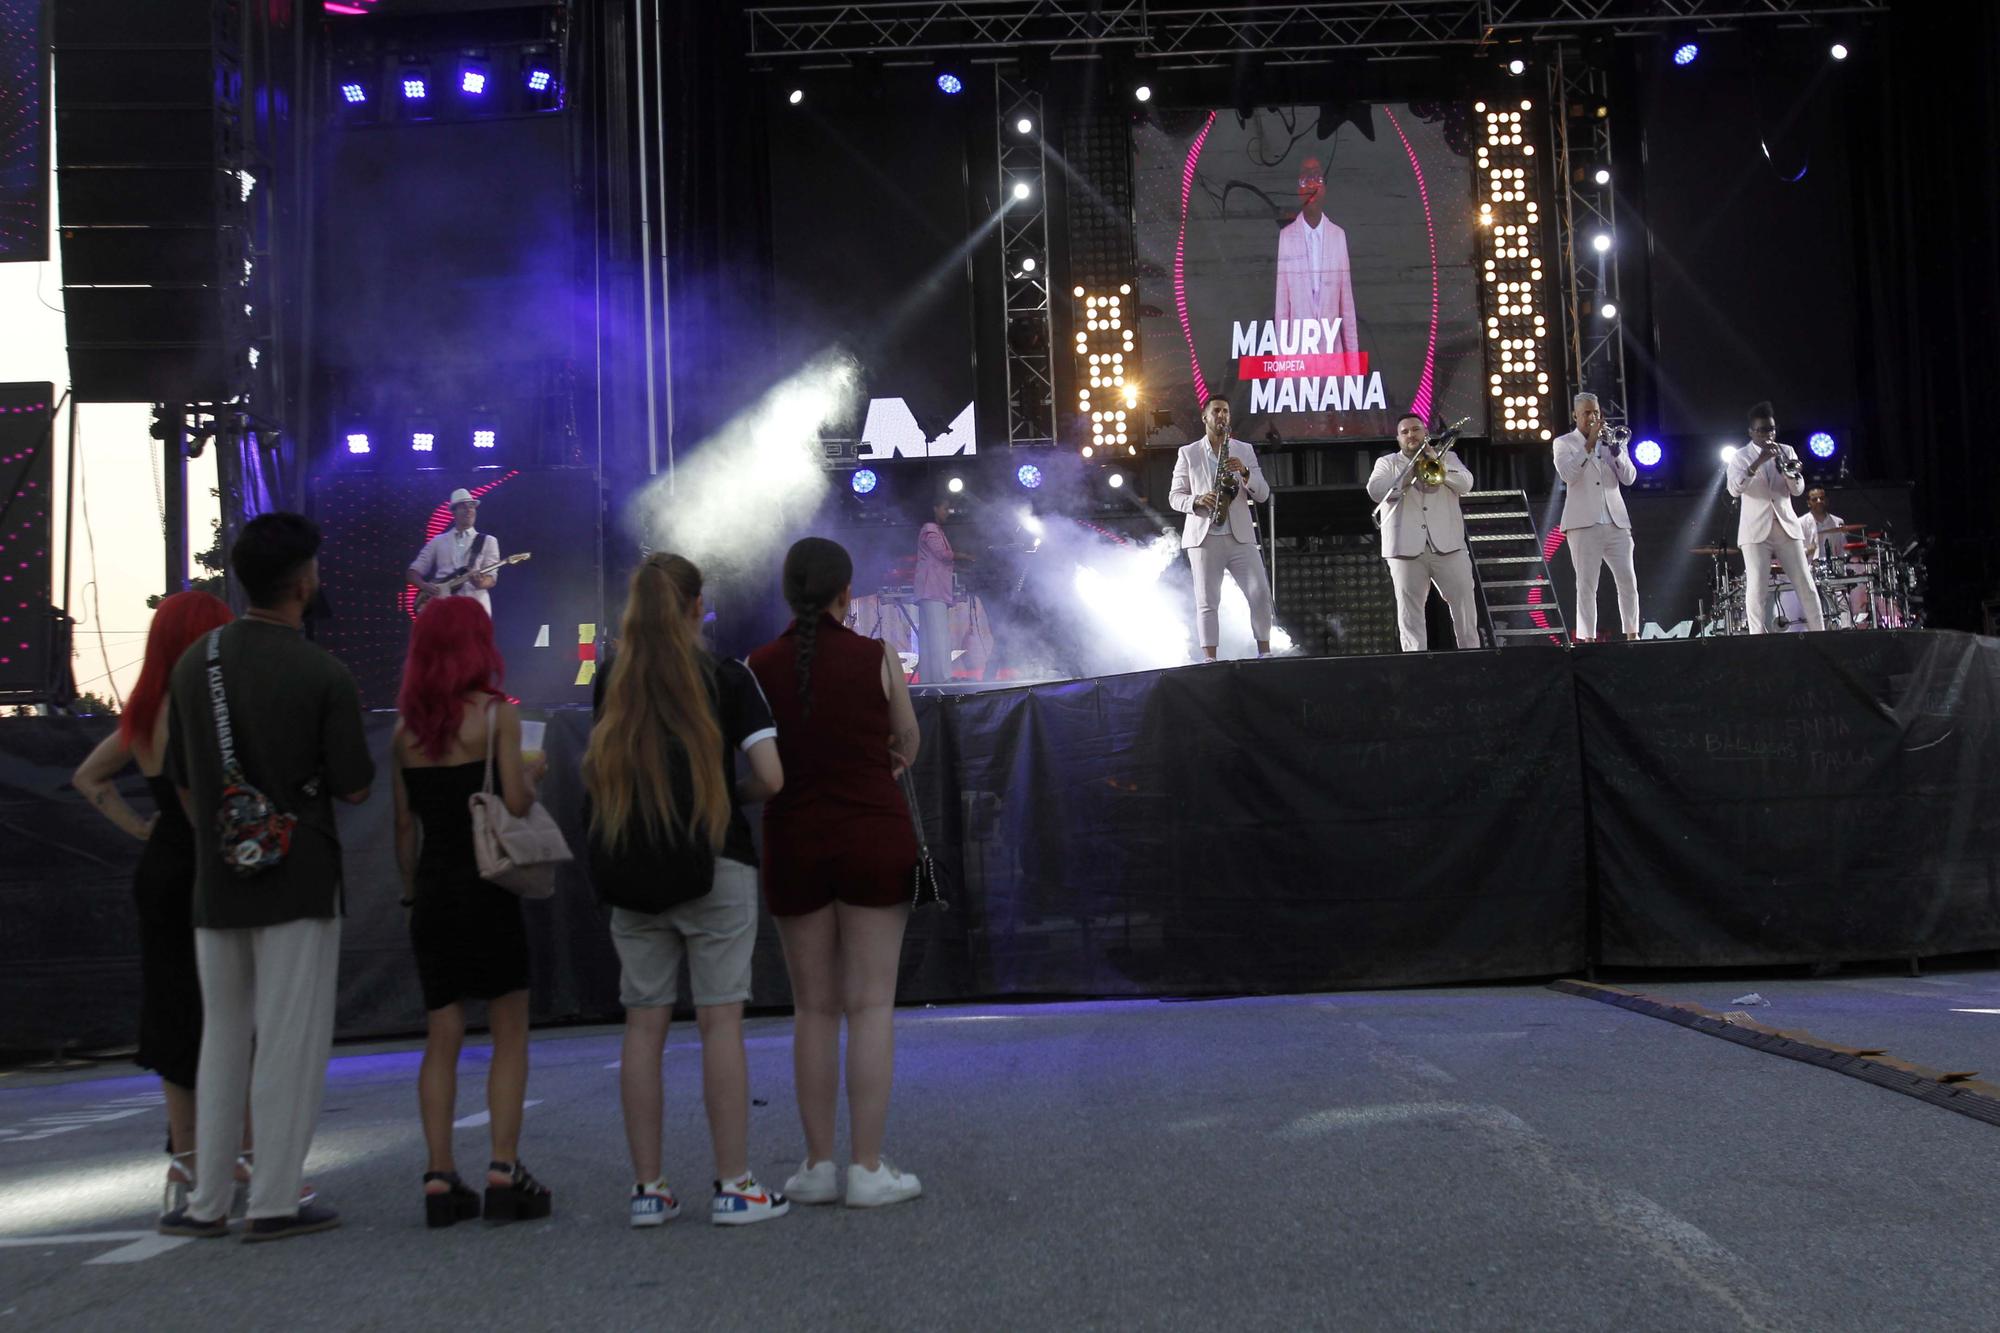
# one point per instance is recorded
(716, 933)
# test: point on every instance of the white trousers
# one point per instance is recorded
(1413, 576)
(1757, 582)
(933, 643)
(1590, 549)
(267, 1025)
(1220, 551)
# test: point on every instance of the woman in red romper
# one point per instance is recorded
(840, 859)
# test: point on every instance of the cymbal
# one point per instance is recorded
(1713, 550)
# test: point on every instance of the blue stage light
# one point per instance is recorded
(357, 442)
(415, 88)
(864, 481)
(1685, 53)
(353, 93)
(1821, 444)
(485, 437)
(539, 80)
(473, 83)
(1647, 453)
(950, 84)
(1028, 475)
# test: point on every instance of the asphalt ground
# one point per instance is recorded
(1502, 1157)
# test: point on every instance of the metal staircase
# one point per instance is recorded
(1517, 599)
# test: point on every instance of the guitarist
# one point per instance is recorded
(458, 549)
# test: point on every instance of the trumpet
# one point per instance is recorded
(1788, 464)
(1617, 437)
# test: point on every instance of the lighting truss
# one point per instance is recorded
(1510, 176)
(1211, 34)
(1594, 351)
(1024, 234)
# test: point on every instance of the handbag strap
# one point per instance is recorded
(486, 783)
(910, 800)
(225, 741)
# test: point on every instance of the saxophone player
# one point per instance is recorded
(1765, 475)
(1215, 481)
(1595, 467)
(1423, 536)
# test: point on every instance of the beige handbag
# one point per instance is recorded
(518, 853)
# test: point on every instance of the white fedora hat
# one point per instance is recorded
(461, 496)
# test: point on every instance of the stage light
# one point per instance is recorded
(539, 81)
(797, 96)
(864, 480)
(357, 442)
(1726, 452)
(1021, 190)
(1646, 453)
(1028, 264)
(1601, 242)
(1517, 67)
(472, 76)
(1839, 51)
(1078, 292)
(1608, 310)
(1685, 53)
(950, 84)
(423, 441)
(1087, 451)
(1821, 444)
(1024, 125)
(353, 93)
(1116, 481)
(1028, 475)
(956, 485)
(485, 437)
(1603, 176)
(416, 87)
(1143, 93)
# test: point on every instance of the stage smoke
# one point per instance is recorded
(752, 488)
(1137, 622)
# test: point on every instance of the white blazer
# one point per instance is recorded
(1295, 298)
(1414, 516)
(1593, 481)
(1194, 476)
(1767, 496)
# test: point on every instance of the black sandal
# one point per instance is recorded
(456, 1204)
(521, 1199)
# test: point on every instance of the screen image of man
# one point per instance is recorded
(1315, 279)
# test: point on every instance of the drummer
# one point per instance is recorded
(1825, 536)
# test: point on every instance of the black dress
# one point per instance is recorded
(470, 938)
(170, 984)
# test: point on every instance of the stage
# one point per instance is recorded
(1276, 826)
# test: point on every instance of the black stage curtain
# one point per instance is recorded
(1793, 798)
(1928, 210)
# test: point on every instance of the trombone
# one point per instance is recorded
(1426, 466)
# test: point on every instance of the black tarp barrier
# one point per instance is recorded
(1278, 826)
(1793, 798)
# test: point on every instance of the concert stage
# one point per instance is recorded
(1273, 826)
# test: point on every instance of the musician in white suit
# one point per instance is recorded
(1765, 475)
(1423, 538)
(459, 547)
(1594, 522)
(1226, 540)
(1315, 276)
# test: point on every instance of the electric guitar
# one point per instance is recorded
(461, 576)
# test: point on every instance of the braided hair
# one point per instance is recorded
(816, 572)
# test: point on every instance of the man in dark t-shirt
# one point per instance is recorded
(267, 941)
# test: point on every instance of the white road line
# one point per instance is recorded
(147, 1247)
(478, 1118)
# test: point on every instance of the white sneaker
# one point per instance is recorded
(653, 1204)
(814, 1183)
(738, 1202)
(884, 1185)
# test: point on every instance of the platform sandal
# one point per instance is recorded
(180, 1182)
(521, 1199)
(457, 1202)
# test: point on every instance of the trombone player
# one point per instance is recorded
(1765, 475)
(1416, 492)
(1594, 466)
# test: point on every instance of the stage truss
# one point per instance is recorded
(1213, 35)
(1593, 350)
(1024, 263)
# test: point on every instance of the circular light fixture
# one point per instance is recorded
(1028, 264)
(1603, 176)
(1821, 444)
(1601, 242)
(956, 485)
(1646, 453)
(1725, 452)
(1028, 475)
(1517, 67)
(1143, 93)
(950, 84)
(1116, 481)
(1608, 310)
(1839, 51)
(1021, 189)
(864, 480)
(1685, 53)
(1024, 126)
(797, 96)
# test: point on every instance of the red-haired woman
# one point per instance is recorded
(170, 987)
(470, 939)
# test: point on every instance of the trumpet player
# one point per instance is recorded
(1216, 479)
(1765, 475)
(1423, 532)
(1595, 467)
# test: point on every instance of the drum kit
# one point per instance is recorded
(1870, 583)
